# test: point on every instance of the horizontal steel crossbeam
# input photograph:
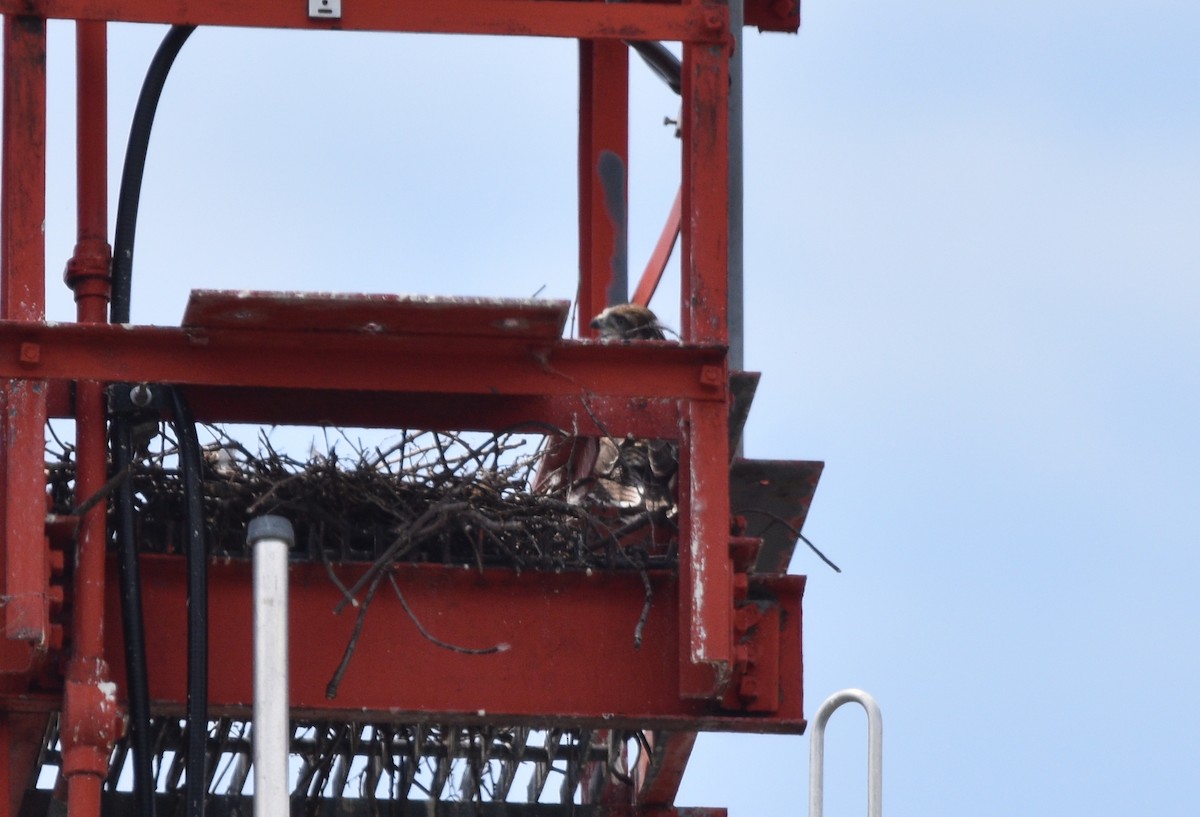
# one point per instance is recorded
(576, 628)
(688, 22)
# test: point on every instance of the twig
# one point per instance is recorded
(346, 594)
(792, 529)
(649, 598)
(332, 687)
(103, 492)
(501, 647)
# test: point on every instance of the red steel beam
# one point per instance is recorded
(22, 297)
(90, 720)
(705, 240)
(692, 21)
(21, 736)
(657, 264)
(705, 566)
(773, 15)
(570, 659)
(661, 773)
(361, 361)
(617, 416)
(87, 271)
(603, 177)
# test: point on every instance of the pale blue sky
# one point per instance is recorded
(973, 278)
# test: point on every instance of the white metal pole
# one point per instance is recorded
(816, 751)
(271, 537)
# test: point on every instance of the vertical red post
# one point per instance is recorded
(22, 297)
(706, 574)
(87, 271)
(603, 177)
(91, 721)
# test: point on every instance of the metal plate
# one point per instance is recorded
(773, 496)
(376, 314)
(742, 386)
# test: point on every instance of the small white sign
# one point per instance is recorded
(329, 9)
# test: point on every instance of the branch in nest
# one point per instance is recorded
(501, 647)
(332, 687)
(779, 520)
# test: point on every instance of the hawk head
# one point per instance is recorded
(627, 322)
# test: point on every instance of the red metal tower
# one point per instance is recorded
(721, 649)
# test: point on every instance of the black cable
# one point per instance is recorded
(661, 61)
(196, 783)
(130, 581)
(122, 276)
(135, 163)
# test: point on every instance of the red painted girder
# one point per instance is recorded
(773, 15)
(571, 659)
(362, 361)
(705, 193)
(22, 297)
(20, 744)
(22, 197)
(603, 178)
(705, 566)
(377, 313)
(617, 416)
(660, 773)
(657, 264)
(696, 22)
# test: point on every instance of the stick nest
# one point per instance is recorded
(438, 497)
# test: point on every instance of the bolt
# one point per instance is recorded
(710, 376)
(31, 353)
(141, 395)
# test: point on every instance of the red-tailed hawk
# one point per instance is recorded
(627, 322)
(630, 475)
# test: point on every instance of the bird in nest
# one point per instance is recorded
(627, 322)
(631, 475)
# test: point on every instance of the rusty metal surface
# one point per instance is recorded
(603, 178)
(774, 497)
(22, 297)
(705, 569)
(575, 630)
(698, 22)
(742, 387)
(516, 319)
(705, 193)
(374, 362)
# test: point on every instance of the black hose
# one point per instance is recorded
(135, 163)
(132, 622)
(661, 61)
(122, 275)
(197, 592)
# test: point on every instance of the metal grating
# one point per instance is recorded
(383, 762)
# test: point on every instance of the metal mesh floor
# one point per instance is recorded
(385, 761)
